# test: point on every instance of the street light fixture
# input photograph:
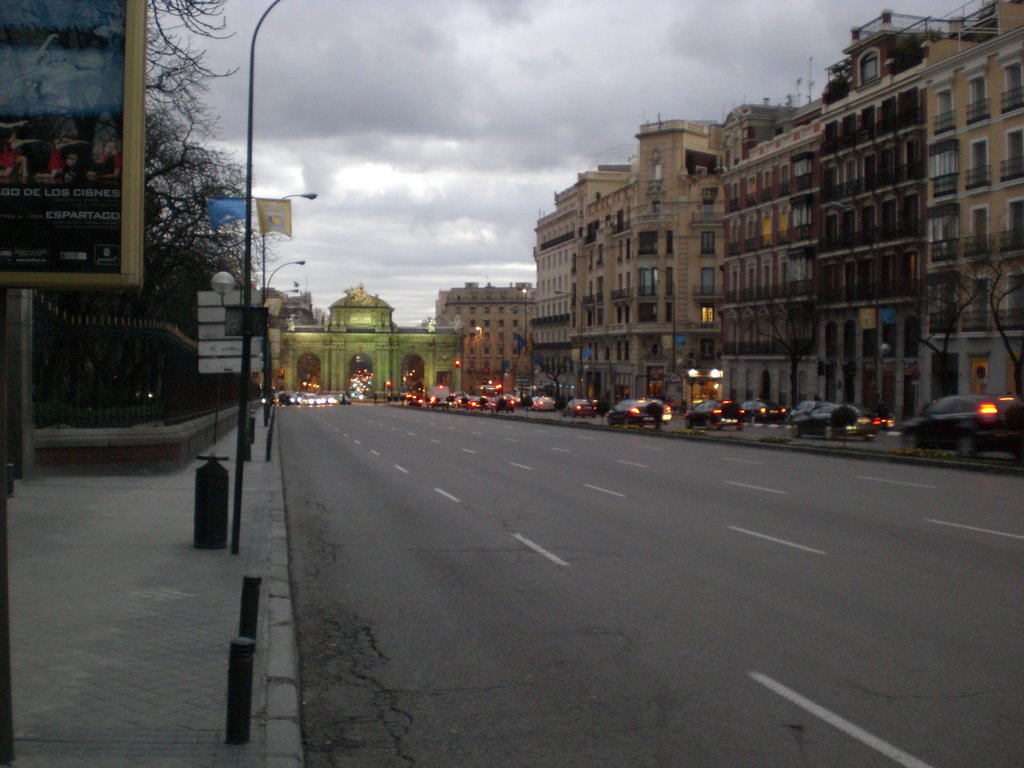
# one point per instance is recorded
(246, 367)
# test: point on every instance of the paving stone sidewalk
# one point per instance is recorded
(121, 629)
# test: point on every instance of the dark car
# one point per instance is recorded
(639, 412)
(968, 424)
(581, 407)
(764, 412)
(504, 404)
(716, 414)
(820, 421)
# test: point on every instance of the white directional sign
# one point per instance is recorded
(228, 364)
(228, 347)
(218, 352)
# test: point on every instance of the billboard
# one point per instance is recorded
(72, 119)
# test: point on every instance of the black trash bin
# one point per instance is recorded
(211, 514)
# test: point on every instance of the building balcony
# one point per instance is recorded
(945, 250)
(978, 245)
(801, 232)
(802, 182)
(1011, 242)
(622, 294)
(976, 320)
(1013, 99)
(734, 249)
(977, 110)
(945, 122)
(784, 187)
(945, 185)
(980, 176)
(1012, 318)
(707, 292)
(1012, 168)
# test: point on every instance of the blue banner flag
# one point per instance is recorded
(224, 210)
(520, 342)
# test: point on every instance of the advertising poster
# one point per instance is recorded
(71, 116)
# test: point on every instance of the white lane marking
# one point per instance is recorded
(510, 439)
(435, 440)
(540, 550)
(604, 490)
(448, 495)
(402, 469)
(777, 541)
(651, 448)
(741, 461)
(411, 434)
(633, 464)
(374, 452)
(358, 442)
(562, 450)
(894, 482)
(877, 744)
(520, 466)
(584, 437)
(468, 450)
(979, 530)
(757, 488)
(479, 434)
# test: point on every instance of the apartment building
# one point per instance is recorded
(494, 322)
(644, 278)
(976, 209)
(556, 325)
(769, 316)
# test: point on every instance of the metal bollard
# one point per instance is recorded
(249, 612)
(210, 523)
(240, 690)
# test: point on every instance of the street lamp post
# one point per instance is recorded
(267, 368)
(246, 367)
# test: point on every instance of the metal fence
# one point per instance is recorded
(117, 372)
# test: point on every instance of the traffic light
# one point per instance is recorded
(458, 363)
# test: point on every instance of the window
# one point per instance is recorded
(707, 280)
(944, 117)
(648, 312)
(707, 242)
(978, 175)
(648, 282)
(945, 165)
(868, 67)
(656, 168)
(1013, 95)
(977, 107)
(707, 314)
(648, 243)
(1013, 165)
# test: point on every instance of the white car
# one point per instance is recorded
(543, 403)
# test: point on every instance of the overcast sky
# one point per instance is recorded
(435, 132)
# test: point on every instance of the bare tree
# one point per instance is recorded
(1003, 267)
(948, 296)
(791, 325)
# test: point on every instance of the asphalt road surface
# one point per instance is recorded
(481, 592)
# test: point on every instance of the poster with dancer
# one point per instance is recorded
(71, 143)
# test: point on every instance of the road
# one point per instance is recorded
(480, 592)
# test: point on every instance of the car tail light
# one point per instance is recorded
(988, 410)
(635, 411)
(717, 410)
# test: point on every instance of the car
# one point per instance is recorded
(580, 407)
(716, 414)
(504, 404)
(543, 403)
(764, 412)
(968, 424)
(804, 406)
(638, 412)
(819, 421)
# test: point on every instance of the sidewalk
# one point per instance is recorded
(121, 629)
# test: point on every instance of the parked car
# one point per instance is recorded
(819, 421)
(804, 406)
(716, 414)
(504, 403)
(638, 412)
(580, 407)
(968, 424)
(543, 403)
(764, 412)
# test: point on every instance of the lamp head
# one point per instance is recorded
(222, 283)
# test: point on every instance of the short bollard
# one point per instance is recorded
(252, 427)
(249, 613)
(210, 528)
(240, 690)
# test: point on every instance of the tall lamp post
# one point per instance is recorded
(267, 394)
(246, 372)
